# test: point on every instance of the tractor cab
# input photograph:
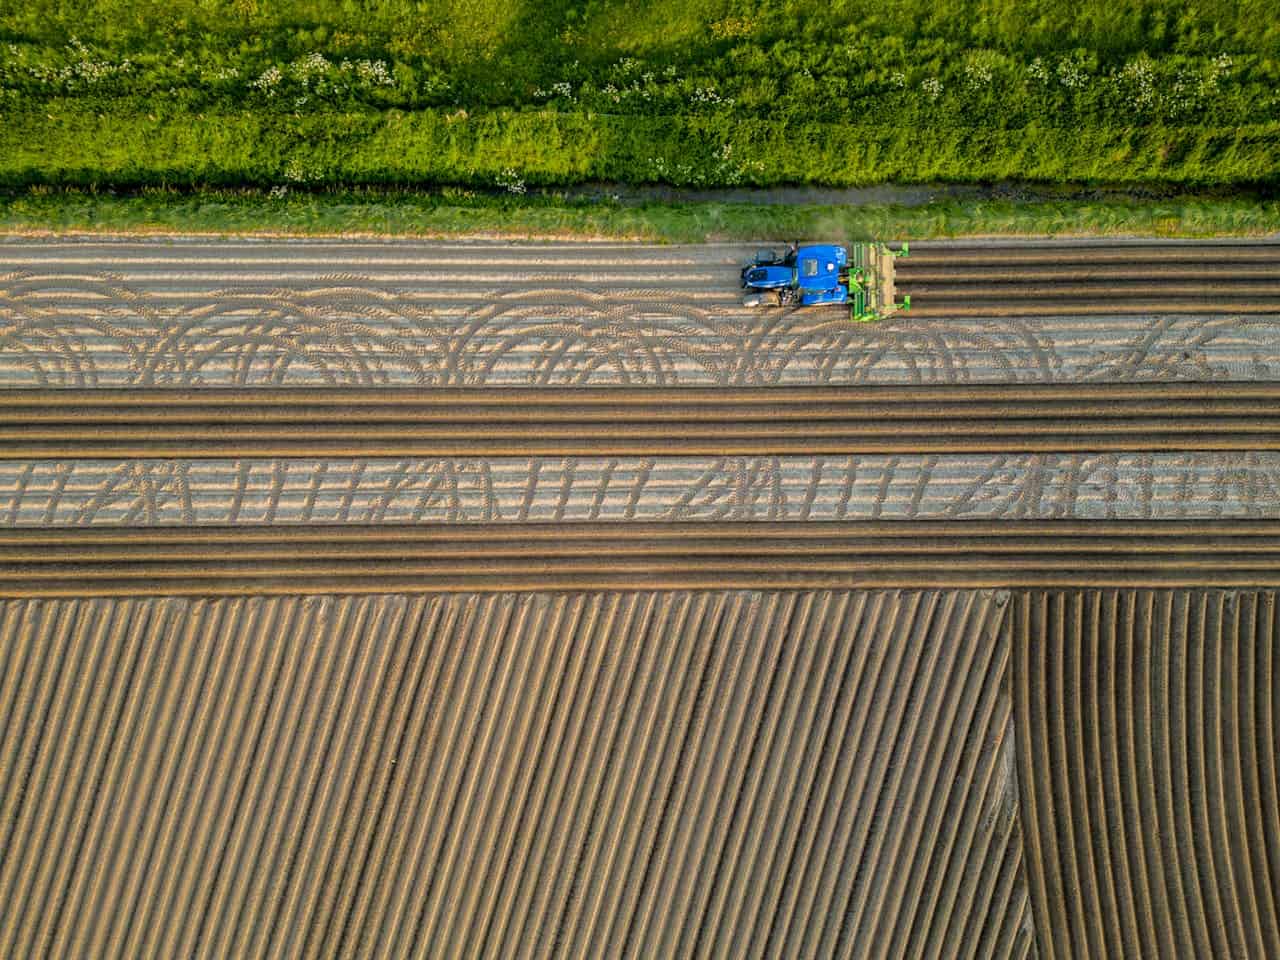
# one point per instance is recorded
(803, 275)
(820, 274)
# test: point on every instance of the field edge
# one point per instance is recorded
(239, 213)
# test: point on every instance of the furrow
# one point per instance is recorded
(908, 271)
(1176, 865)
(955, 253)
(1155, 418)
(1051, 306)
(449, 558)
(1080, 289)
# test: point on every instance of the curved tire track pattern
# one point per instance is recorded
(1147, 753)
(178, 313)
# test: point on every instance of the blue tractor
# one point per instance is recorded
(826, 273)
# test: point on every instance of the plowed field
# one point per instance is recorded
(654, 774)
(1147, 758)
(1114, 279)
(313, 643)
(644, 422)
(624, 556)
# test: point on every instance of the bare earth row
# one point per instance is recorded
(643, 422)
(1027, 280)
(610, 556)
(1147, 770)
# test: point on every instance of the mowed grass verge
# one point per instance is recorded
(404, 214)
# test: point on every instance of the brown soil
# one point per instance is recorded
(618, 422)
(181, 313)
(621, 556)
(1147, 757)
(671, 774)
(1023, 280)
(537, 751)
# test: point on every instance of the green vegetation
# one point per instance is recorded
(518, 93)
(455, 212)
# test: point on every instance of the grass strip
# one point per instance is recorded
(461, 213)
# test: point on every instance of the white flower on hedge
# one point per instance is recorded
(374, 73)
(268, 80)
(933, 87)
(511, 181)
(1219, 67)
(709, 95)
(84, 69)
(1071, 73)
(977, 74)
(1138, 76)
(295, 172)
(309, 67)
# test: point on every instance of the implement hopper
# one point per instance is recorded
(872, 295)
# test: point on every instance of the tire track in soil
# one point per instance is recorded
(175, 313)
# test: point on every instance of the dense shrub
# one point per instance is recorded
(545, 148)
(512, 94)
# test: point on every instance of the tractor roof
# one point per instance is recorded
(818, 265)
